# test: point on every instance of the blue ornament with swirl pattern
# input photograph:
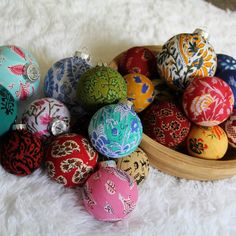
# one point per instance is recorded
(115, 130)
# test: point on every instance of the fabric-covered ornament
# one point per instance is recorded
(136, 165)
(184, 57)
(140, 91)
(100, 86)
(208, 101)
(225, 62)
(21, 152)
(166, 123)
(115, 130)
(229, 76)
(8, 110)
(230, 129)
(19, 72)
(47, 116)
(110, 194)
(207, 142)
(138, 60)
(62, 78)
(70, 159)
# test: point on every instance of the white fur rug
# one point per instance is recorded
(52, 30)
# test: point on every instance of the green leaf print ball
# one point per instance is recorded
(100, 86)
(115, 130)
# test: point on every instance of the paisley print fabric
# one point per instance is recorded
(42, 112)
(21, 152)
(184, 57)
(208, 101)
(100, 86)
(207, 142)
(13, 72)
(136, 165)
(225, 62)
(109, 195)
(61, 81)
(115, 130)
(230, 129)
(70, 159)
(138, 60)
(140, 91)
(166, 123)
(8, 110)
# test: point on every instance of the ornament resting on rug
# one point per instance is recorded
(207, 142)
(140, 91)
(19, 71)
(225, 62)
(100, 86)
(62, 78)
(166, 123)
(184, 57)
(208, 101)
(8, 110)
(110, 194)
(229, 76)
(138, 60)
(230, 129)
(21, 151)
(70, 159)
(115, 130)
(45, 117)
(136, 165)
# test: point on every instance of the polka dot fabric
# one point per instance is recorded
(70, 159)
(166, 123)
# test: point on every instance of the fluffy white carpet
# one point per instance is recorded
(52, 30)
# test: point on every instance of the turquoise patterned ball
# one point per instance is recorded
(8, 110)
(115, 130)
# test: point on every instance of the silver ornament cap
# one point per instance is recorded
(32, 72)
(19, 127)
(201, 32)
(58, 127)
(107, 163)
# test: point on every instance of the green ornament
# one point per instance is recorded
(100, 86)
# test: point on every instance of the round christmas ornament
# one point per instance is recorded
(229, 76)
(100, 86)
(184, 57)
(138, 60)
(230, 129)
(70, 159)
(21, 151)
(62, 78)
(115, 130)
(207, 142)
(140, 91)
(166, 123)
(110, 194)
(225, 62)
(8, 110)
(136, 165)
(19, 71)
(208, 101)
(47, 116)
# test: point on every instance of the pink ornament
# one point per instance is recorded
(110, 194)
(208, 101)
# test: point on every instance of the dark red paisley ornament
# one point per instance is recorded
(21, 152)
(138, 60)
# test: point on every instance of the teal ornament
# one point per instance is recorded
(8, 110)
(19, 72)
(115, 130)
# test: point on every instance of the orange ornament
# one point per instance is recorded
(140, 91)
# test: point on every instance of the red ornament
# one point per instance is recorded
(166, 123)
(70, 159)
(208, 101)
(138, 60)
(21, 152)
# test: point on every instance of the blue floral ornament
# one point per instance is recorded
(62, 78)
(8, 110)
(115, 130)
(225, 62)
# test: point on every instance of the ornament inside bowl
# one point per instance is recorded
(179, 164)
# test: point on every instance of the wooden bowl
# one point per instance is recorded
(179, 164)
